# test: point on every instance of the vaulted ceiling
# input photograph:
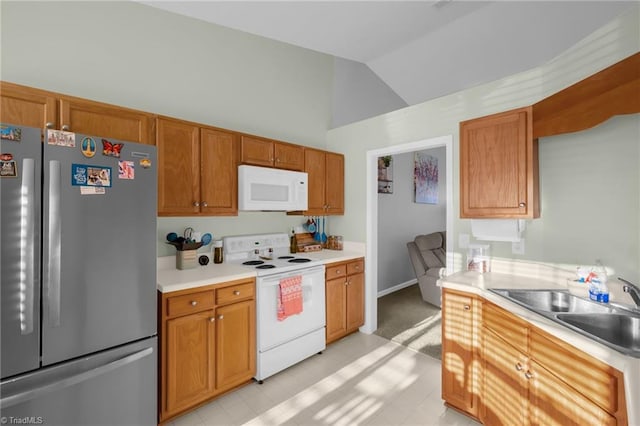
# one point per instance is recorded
(420, 49)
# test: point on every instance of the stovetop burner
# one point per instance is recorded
(285, 257)
(300, 260)
(265, 266)
(253, 262)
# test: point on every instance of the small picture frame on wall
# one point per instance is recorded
(385, 174)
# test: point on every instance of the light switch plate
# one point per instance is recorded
(517, 247)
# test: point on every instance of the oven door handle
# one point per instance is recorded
(275, 279)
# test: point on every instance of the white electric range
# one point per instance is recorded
(281, 343)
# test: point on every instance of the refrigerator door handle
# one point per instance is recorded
(8, 401)
(54, 246)
(27, 245)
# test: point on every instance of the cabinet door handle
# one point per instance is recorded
(220, 317)
(236, 293)
(467, 307)
(194, 303)
(212, 319)
(204, 204)
(519, 366)
(528, 375)
(49, 125)
(522, 204)
(196, 204)
(65, 127)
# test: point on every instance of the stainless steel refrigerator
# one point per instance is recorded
(78, 279)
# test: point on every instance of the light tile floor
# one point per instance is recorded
(359, 380)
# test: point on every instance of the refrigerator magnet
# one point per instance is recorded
(88, 147)
(85, 175)
(92, 190)
(111, 149)
(8, 166)
(10, 133)
(145, 163)
(126, 170)
(61, 138)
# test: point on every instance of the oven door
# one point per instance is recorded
(271, 332)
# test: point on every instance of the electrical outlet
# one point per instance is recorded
(518, 247)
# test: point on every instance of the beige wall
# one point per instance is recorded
(556, 236)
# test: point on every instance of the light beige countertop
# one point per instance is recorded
(171, 279)
(506, 274)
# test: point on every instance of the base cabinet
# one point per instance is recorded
(344, 298)
(208, 344)
(526, 376)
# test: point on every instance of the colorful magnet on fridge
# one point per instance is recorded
(8, 166)
(85, 175)
(126, 170)
(145, 163)
(10, 133)
(61, 138)
(111, 149)
(88, 147)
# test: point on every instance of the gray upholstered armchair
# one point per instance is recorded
(428, 254)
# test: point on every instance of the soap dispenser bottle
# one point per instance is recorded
(293, 247)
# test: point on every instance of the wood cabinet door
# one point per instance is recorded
(458, 339)
(95, 118)
(334, 185)
(255, 151)
(190, 346)
(236, 344)
(499, 166)
(287, 156)
(554, 403)
(27, 107)
(355, 302)
(314, 165)
(336, 309)
(218, 173)
(178, 168)
(504, 385)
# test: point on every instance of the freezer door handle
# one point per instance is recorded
(10, 400)
(54, 246)
(27, 245)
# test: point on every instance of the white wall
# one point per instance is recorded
(612, 43)
(132, 55)
(400, 218)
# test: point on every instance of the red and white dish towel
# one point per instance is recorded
(289, 297)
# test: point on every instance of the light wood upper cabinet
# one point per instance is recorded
(499, 167)
(197, 173)
(326, 182)
(25, 106)
(268, 153)
(96, 118)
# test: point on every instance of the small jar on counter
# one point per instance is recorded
(217, 251)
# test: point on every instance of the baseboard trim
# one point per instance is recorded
(397, 287)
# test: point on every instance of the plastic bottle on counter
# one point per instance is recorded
(598, 289)
(217, 251)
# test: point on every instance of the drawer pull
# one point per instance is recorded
(194, 303)
(467, 307)
(519, 367)
(236, 293)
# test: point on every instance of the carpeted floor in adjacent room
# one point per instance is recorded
(405, 318)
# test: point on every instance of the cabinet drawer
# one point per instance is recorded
(355, 267)
(336, 271)
(587, 375)
(189, 303)
(506, 325)
(234, 293)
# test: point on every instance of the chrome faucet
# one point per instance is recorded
(633, 290)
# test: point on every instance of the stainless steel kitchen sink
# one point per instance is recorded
(617, 329)
(553, 301)
(612, 325)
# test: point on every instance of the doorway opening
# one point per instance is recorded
(371, 276)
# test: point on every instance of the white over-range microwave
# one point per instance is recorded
(263, 188)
